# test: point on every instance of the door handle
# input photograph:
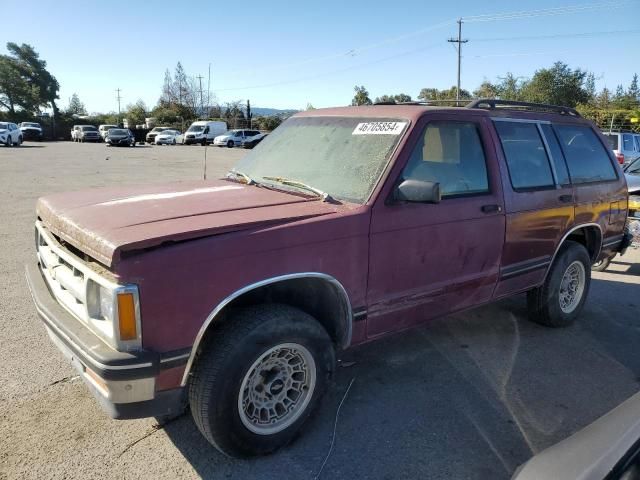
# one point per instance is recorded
(566, 198)
(491, 208)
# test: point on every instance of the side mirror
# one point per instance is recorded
(418, 191)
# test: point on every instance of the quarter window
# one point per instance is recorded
(451, 154)
(587, 158)
(525, 154)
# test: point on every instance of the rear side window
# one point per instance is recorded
(451, 154)
(613, 141)
(627, 142)
(587, 159)
(525, 154)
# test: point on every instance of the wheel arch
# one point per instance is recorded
(318, 294)
(587, 234)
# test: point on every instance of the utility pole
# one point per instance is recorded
(118, 97)
(459, 41)
(199, 77)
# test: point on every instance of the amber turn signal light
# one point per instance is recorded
(127, 316)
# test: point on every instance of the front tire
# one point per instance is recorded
(602, 265)
(259, 377)
(559, 301)
(230, 144)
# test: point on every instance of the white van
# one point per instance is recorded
(203, 132)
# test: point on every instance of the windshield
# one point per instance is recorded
(634, 167)
(29, 124)
(343, 156)
(159, 129)
(118, 131)
(89, 129)
(612, 138)
(196, 128)
(109, 127)
(169, 132)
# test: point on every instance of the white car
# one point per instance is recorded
(10, 134)
(237, 138)
(167, 137)
(104, 129)
(31, 131)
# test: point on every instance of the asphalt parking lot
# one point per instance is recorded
(471, 396)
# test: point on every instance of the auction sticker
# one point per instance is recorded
(379, 128)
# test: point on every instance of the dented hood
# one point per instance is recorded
(106, 222)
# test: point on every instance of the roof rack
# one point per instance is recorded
(494, 104)
(426, 102)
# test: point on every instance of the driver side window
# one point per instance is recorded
(451, 154)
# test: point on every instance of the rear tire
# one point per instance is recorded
(559, 301)
(259, 377)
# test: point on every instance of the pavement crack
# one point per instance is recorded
(67, 379)
(154, 429)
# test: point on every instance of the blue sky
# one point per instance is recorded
(287, 54)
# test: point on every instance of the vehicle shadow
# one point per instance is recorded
(27, 146)
(473, 395)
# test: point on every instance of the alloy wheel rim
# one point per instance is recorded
(277, 388)
(572, 287)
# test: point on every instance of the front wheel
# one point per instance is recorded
(602, 265)
(559, 301)
(230, 144)
(259, 377)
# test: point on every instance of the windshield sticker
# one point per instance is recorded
(379, 128)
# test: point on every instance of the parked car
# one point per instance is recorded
(31, 131)
(607, 449)
(151, 136)
(237, 138)
(104, 129)
(251, 143)
(632, 176)
(625, 146)
(203, 132)
(120, 137)
(85, 133)
(168, 137)
(346, 225)
(10, 134)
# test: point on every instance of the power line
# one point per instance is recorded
(546, 12)
(459, 41)
(559, 35)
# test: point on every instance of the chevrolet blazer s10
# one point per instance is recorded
(234, 296)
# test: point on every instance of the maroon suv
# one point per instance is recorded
(345, 224)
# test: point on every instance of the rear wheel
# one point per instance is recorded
(259, 378)
(560, 299)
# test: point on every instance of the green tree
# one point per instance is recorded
(267, 123)
(361, 97)
(15, 90)
(486, 90)
(398, 98)
(32, 68)
(76, 107)
(590, 88)
(136, 113)
(449, 94)
(558, 85)
(634, 91)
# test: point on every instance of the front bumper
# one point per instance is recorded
(124, 142)
(124, 383)
(32, 134)
(190, 141)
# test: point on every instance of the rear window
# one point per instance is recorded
(525, 154)
(627, 142)
(612, 140)
(587, 158)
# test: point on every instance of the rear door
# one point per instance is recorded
(429, 259)
(601, 194)
(539, 201)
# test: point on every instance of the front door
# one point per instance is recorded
(427, 259)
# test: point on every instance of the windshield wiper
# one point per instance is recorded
(236, 174)
(293, 183)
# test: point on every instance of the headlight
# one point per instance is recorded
(114, 314)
